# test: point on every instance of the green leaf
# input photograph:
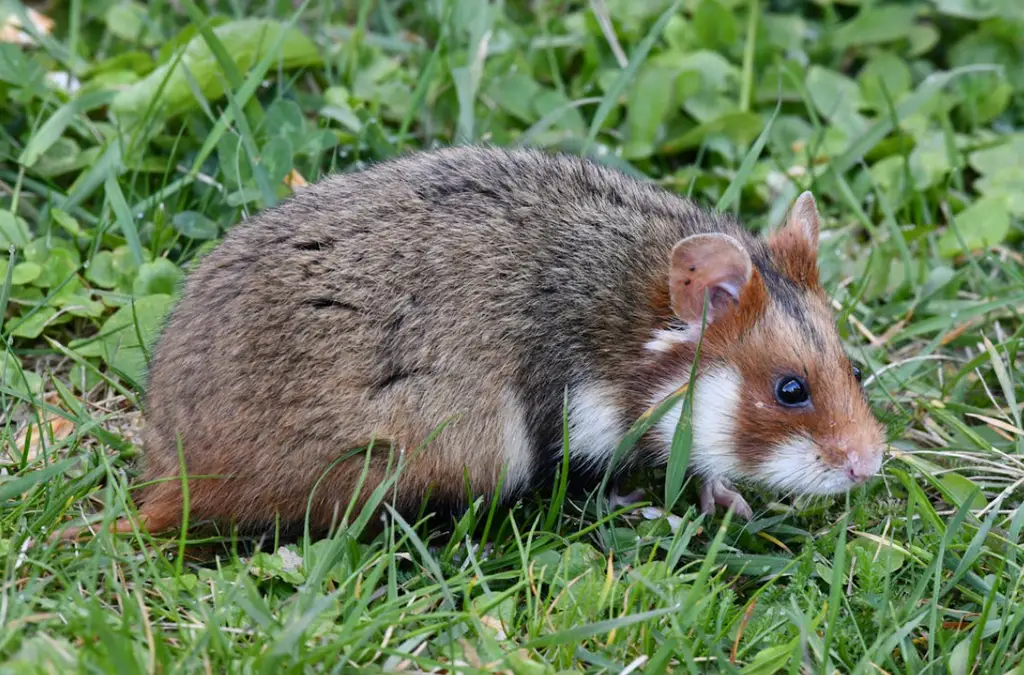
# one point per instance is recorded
(1002, 169)
(963, 488)
(317, 142)
(32, 326)
(246, 41)
(836, 97)
(876, 24)
(277, 156)
(1006, 185)
(66, 222)
(284, 565)
(884, 75)
(338, 108)
(771, 660)
(981, 9)
(18, 69)
(996, 158)
(579, 558)
(648, 106)
(879, 557)
(63, 157)
(931, 159)
(159, 277)
(120, 346)
(738, 127)
(15, 378)
(55, 125)
(60, 265)
(574, 635)
(23, 273)
(80, 304)
(514, 93)
(195, 225)
(100, 270)
(715, 26)
(126, 20)
(236, 169)
(984, 223)
(284, 119)
(861, 144)
(13, 230)
(570, 119)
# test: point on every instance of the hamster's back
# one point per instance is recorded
(375, 306)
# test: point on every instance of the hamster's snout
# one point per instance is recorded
(860, 467)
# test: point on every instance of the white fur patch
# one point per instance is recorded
(595, 423)
(793, 466)
(662, 340)
(715, 410)
(518, 453)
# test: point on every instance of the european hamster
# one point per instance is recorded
(476, 287)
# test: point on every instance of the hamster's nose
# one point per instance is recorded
(861, 467)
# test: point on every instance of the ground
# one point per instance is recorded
(133, 136)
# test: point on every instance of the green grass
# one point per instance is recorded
(905, 118)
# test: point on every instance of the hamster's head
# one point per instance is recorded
(777, 400)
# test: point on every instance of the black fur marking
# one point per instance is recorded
(394, 324)
(312, 245)
(541, 383)
(790, 297)
(453, 188)
(393, 378)
(542, 402)
(393, 374)
(309, 269)
(328, 303)
(241, 262)
(615, 199)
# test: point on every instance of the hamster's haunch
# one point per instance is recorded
(476, 287)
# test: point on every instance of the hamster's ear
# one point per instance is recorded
(715, 263)
(804, 222)
(795, 243)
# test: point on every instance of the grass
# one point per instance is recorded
(120, 166)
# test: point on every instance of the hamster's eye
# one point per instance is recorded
(792, 392)
(857, 373)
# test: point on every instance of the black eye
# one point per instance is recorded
(792, 392)
(856, 373)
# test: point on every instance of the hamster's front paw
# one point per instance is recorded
(718, 491)
(616, 501)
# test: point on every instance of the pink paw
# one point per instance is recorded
(617, 501)
(720, 492)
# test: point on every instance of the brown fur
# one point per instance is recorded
(470, 286)
(763, 342)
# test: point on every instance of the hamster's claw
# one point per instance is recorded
(721, 493)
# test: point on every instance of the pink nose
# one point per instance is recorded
(860, 469)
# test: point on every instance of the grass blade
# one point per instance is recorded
(124, 217)
(628, 74)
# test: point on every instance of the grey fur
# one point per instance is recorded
(379, 304)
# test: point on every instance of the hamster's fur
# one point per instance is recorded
(476, 286)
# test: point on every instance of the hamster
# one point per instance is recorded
(479, 287)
